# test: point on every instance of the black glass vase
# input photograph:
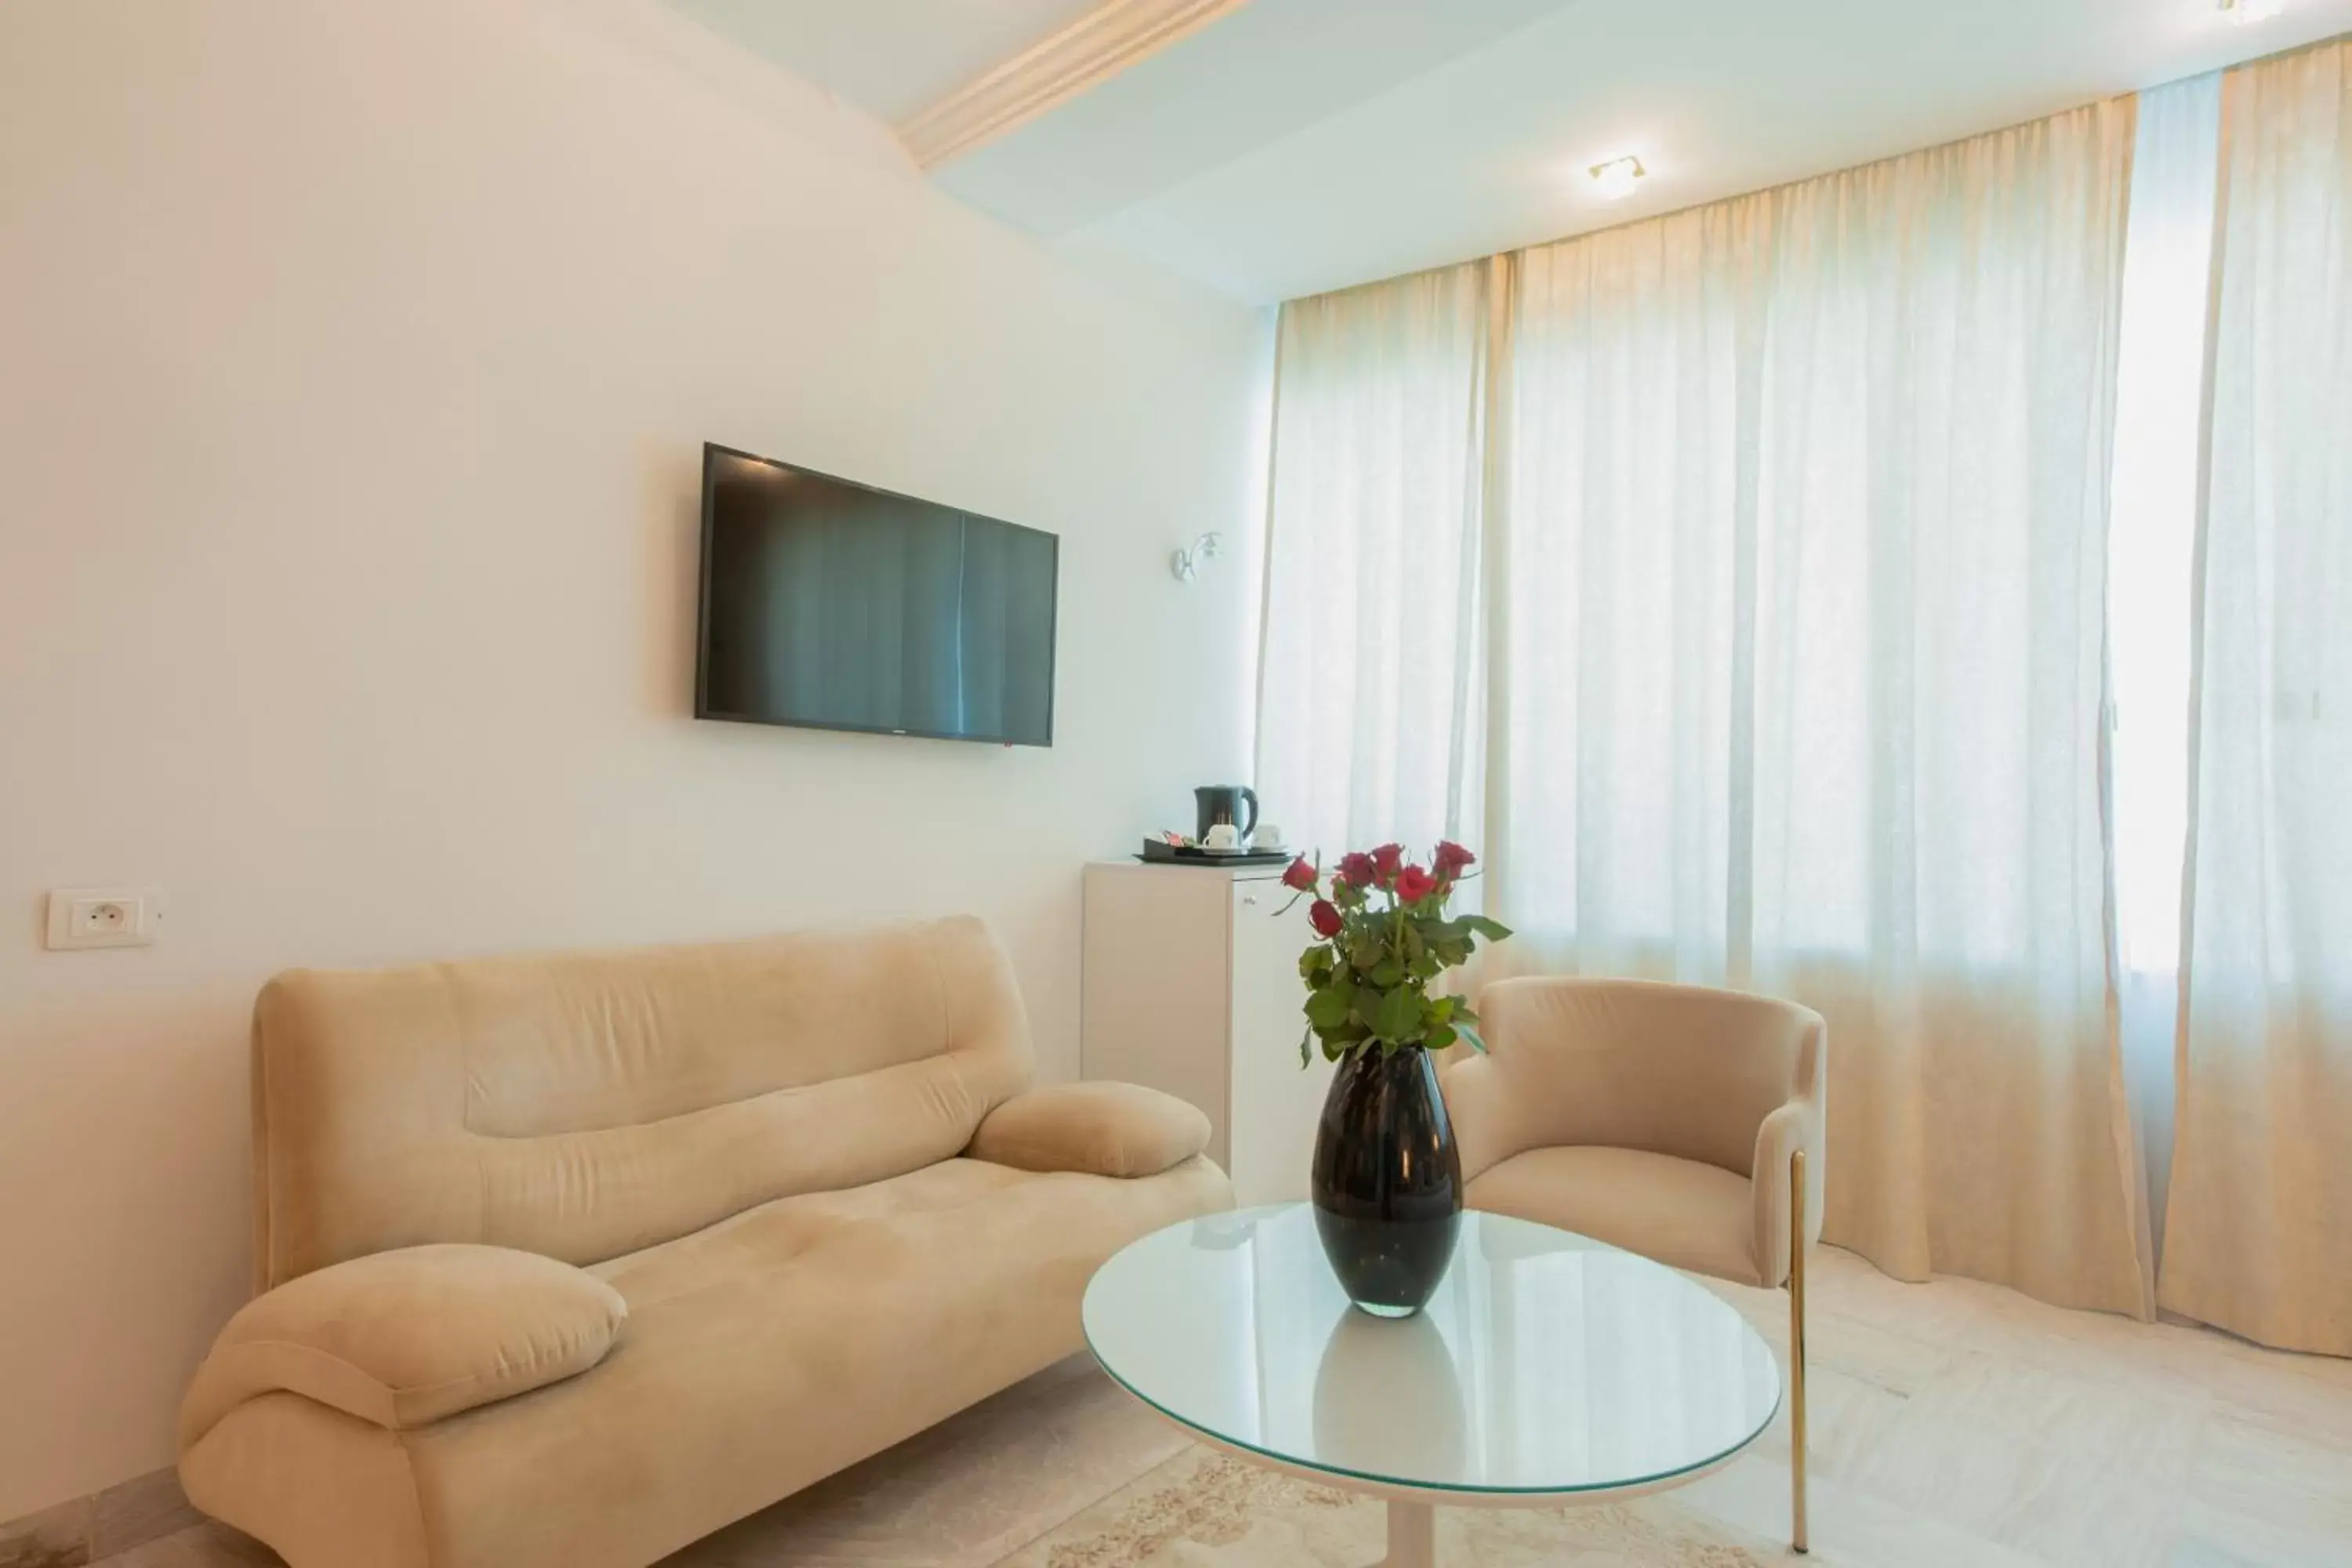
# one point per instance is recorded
(1387, 1181)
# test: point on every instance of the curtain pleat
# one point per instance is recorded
(2259, 1230)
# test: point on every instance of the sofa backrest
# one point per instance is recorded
(585, 1105)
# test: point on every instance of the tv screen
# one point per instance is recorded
(839, 606)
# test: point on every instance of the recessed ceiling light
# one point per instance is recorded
(2246, 13)
(1616, 178)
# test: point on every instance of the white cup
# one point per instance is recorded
(1267, 836)
(1223, 836)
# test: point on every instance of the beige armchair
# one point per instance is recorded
(1681, 1123)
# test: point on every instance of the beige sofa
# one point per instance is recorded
(571, 1260)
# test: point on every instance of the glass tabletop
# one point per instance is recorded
(1547, 1363)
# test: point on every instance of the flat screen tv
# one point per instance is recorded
(836, 606)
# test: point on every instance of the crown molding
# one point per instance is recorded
(1099, 44)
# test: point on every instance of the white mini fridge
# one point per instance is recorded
(1191, 985)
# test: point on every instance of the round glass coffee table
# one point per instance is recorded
(1549, 1369)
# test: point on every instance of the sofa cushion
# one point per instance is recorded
(1680, 1212)
(406, 1337)
(1105, 1129)
(761, 1355)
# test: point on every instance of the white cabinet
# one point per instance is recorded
(1191, 986)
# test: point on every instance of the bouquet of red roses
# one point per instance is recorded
(1385, 936)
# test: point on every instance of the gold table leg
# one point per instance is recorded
(1797, 1350)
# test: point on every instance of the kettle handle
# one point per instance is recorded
(1250, 796)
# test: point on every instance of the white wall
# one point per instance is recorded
(354, 362)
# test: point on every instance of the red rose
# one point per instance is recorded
(1451, 858)
(1413, 884)
(1324, 916)
(1299, 875)
(1356, 869)
(1385, 861)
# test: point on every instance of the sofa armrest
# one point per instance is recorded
(1103, 1129)
(406, 1337)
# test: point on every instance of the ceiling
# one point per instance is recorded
(1298, 145)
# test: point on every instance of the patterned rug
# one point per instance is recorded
(1203, 1509)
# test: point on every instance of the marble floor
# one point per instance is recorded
(1954, 1424)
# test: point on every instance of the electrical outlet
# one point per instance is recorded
(104, 917)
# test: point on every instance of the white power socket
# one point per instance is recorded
(104, 917)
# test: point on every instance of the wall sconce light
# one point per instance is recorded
(1186, 563)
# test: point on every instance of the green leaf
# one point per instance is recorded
(1326, 1008)
(1440, 1037)
(1348, 1033)
(1386, 973)
(1396, 1016)
(1304, 1036)
(1492, 931)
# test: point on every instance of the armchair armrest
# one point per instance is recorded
(406, 1337)
(1103, 1129)
(1793, 1126)
(1480, 1101)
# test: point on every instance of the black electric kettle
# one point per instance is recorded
(1223, 804)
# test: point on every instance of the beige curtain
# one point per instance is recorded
(1806, 532)
(1929, 867)
(2259, 1231)
(1791, 527)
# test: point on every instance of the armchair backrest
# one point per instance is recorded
(583, 1105)
(1673, 1070)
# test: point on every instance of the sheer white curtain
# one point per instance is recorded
(1930, 858)
(2260, 1235)
(1371, 706)
(1794, 523)
(1806, 538)
(1616, 595)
